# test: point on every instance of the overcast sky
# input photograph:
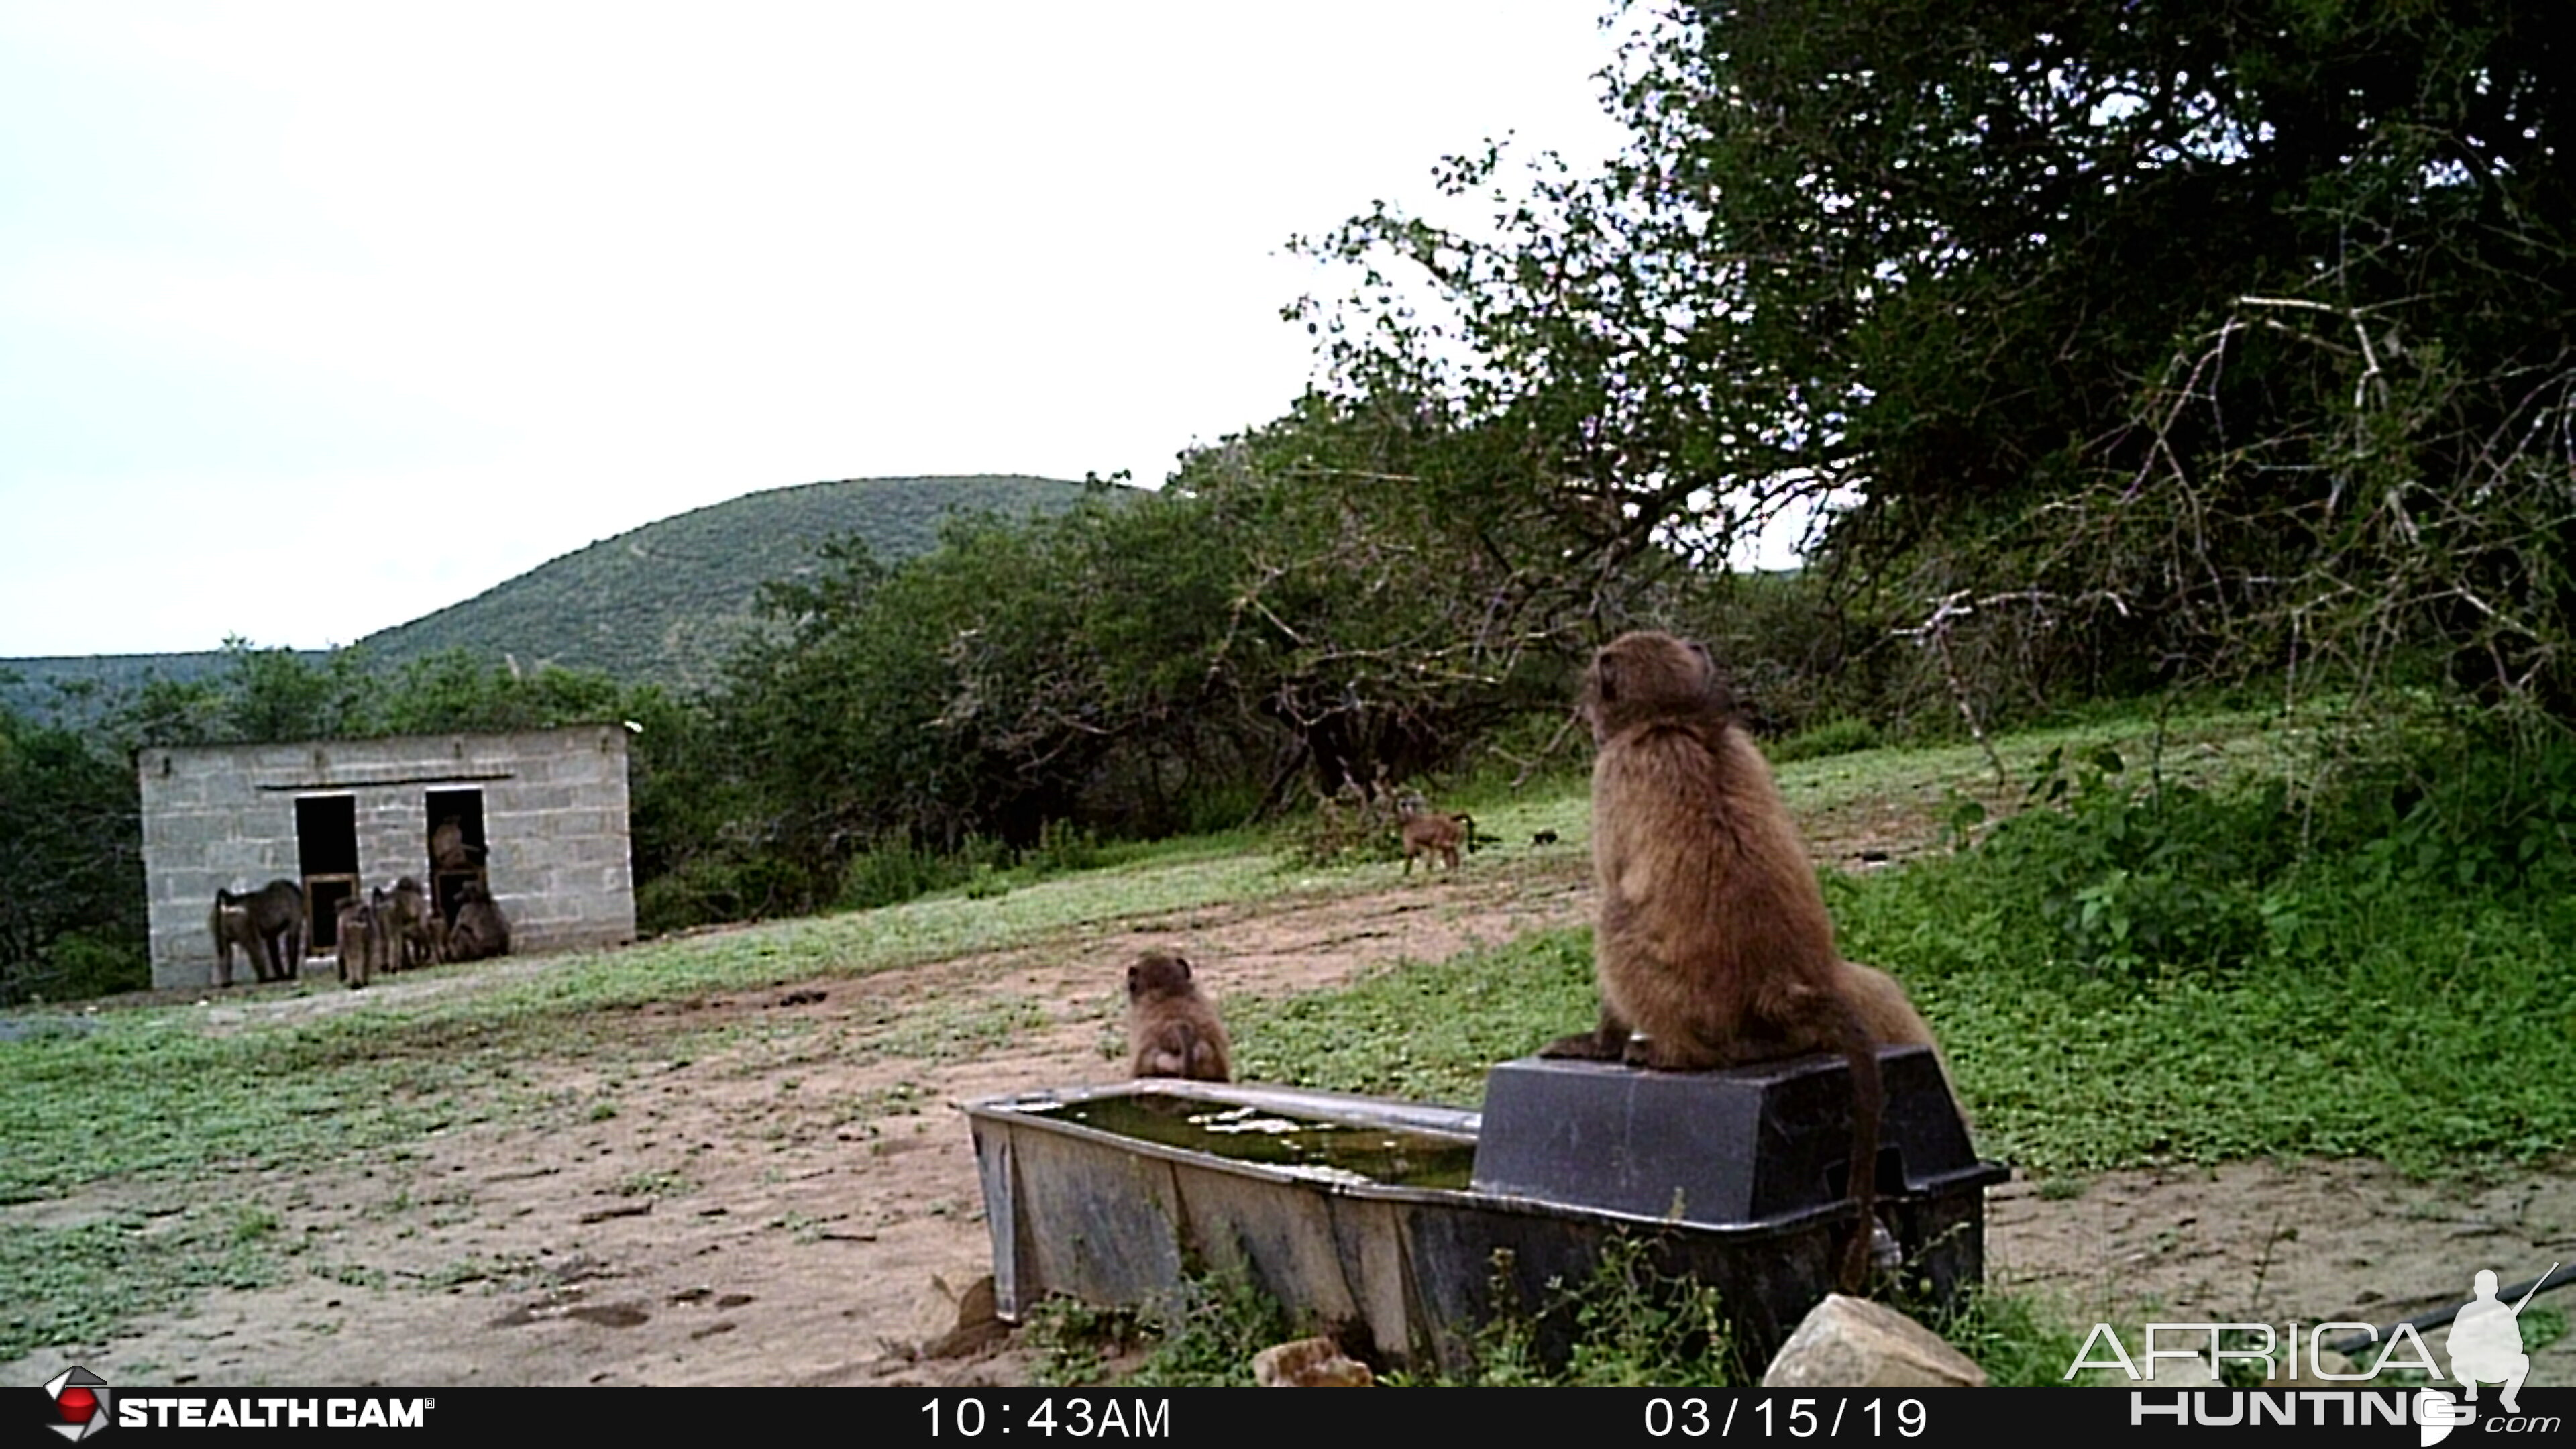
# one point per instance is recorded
(315, 318)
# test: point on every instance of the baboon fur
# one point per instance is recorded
(418, 932)
(1713, 946)
(1428, 832)
(267, 923)
(479, 929)
(448, 850)
(230, 926)
(364, 939)
(1171, 1027)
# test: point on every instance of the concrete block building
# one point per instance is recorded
(542, 811)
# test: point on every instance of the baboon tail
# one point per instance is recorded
(1869, 1102)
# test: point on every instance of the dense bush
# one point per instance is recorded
(71, 869)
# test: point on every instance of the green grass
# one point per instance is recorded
(2121, 977)
(1425, 1031)
(2413, 1019)
(1627, 1327)
(80, 1283)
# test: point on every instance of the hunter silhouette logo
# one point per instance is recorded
(2485, 1346)
(80, 1403)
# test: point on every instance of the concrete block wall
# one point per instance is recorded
(554, 824)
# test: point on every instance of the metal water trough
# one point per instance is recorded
(1732, 1178)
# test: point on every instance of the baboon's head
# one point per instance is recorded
(1648, 675)
(1158, 973)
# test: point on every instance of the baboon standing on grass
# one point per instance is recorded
(268, 924)
(365, 939)
(417, 930)
(1428, 832)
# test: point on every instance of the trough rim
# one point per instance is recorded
(1032, 1108)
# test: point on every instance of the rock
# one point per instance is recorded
(1309, 1363)
(952, 1323)
(1852, 1343)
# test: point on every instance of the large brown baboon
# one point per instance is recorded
(1428, 832)
(1173, 1029)
(1713, 947)
(366, 939)
(270, 927)
(479, 929)
(421, 937)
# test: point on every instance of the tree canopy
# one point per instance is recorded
(2238, 329)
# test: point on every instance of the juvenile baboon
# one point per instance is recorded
(420, 936)
(230, 926)
(1171, 1027)
(1428, 832)
(365, 939)
(1713, 947)
(479, 929)
(270, 929)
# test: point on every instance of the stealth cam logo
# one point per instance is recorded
(80, 1403)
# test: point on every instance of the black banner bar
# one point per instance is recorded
(984, 1418)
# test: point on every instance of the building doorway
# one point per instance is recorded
(326, 854)
(462, 809)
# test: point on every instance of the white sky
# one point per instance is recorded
(315, 318)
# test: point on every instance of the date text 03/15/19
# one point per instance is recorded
(1047, 1415)
(1689, 1418)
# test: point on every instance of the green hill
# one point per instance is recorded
(77, 690)
(661, 602)
(667, 601)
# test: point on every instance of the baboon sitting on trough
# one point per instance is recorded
(1713, 946)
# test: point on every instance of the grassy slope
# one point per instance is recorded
(665, 601)
(2439, 1038)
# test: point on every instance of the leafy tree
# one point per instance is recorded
(71, 875)
(2198, 327)
(1336, 597)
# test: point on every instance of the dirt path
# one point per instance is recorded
(761, 1188)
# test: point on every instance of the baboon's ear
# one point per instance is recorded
(1706, 663)
(1605, 676)
(1184, 963)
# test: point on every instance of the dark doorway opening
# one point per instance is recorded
(464, 810)
(326, 852)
